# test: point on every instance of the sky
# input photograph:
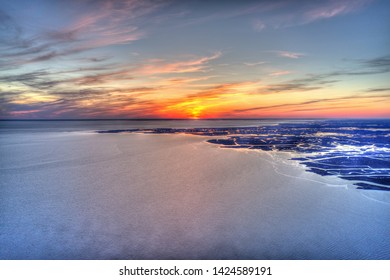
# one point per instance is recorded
(194, 59)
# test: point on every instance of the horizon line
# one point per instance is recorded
(205, 119)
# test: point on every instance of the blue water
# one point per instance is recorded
(69, 192)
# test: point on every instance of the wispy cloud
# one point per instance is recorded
(378, 65)
(101, 24)
(378, 89)
(329, 9)
(287, 54)
(281, 88)
(76, 104)
(179, 81)
(39, 79)
(312, 82)
(224, 89)
(324, 101)
(254, 63)
(111, 22)
(184, 66)
(280, 73)
(292, 13)
(105, 77)
(258, 25)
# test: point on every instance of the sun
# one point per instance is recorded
(195, 112)
(192, 109)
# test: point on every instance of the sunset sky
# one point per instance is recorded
(194, 59)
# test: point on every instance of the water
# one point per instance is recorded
(67, 192)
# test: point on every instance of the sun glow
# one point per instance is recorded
(197, 111)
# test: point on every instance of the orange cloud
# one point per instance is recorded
(212, 102)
